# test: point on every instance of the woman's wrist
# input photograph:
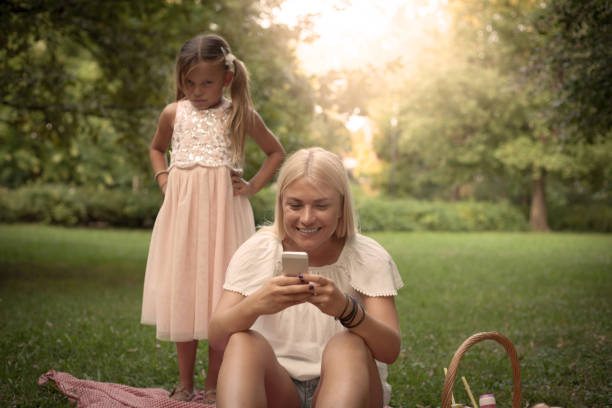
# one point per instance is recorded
(353, 313)
(346, 306)
(352, 324)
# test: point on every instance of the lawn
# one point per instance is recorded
(70, 301)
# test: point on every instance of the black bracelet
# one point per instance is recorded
(350, 326)
(349, 319)
(345, 307)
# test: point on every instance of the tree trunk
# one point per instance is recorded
(537, 213)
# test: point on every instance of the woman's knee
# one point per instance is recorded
(347, 347)
(247, 343)
(349, 373)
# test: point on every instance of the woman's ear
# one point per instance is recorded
(229, 75)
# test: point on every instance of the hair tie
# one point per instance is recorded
(229, 58)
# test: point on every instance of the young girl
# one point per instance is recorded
(205, 215)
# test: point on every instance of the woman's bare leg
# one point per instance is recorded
(186, 353)
(250, 375)
(349, 376)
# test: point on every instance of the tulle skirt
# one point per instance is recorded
(199, 226)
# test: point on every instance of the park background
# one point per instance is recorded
(487, 119)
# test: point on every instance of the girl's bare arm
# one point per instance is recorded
(159, 145)
(275, 154)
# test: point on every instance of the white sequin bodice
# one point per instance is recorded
(200, 136)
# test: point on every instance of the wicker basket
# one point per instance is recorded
(449, 381)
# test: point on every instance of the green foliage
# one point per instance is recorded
(73, 206)
(504, 98)
(548, 293)
(380, 214)
(593, 217)
(263, 206)
(65, 205)
(46, 204)
(450, 119)
(80, 78)
(578, 51)
(330, 133)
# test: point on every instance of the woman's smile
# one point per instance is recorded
(308, 230)
(310, 216)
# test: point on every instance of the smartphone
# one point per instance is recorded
(295, 263)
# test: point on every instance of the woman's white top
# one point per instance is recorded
(299, 333)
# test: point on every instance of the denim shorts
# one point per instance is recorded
(306, 390)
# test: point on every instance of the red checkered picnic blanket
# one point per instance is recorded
(94, 394)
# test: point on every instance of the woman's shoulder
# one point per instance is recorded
(372, 269)
(265, 235)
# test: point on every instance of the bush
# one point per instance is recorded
(124, 208)
(67, 205)
(377, 214)
(49, 204)
(581, 217)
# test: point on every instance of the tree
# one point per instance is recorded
(451, 116)
(77, 75)
(560, 53)
(484, 114)
(579, 53)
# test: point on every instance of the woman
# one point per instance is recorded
(320, 339)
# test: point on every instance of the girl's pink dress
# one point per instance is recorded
(199, 226)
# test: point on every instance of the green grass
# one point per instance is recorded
(70, 301)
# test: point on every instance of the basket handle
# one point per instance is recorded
(451, 373)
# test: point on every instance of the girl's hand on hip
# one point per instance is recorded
(279, 293)
(325, 295)
(240, 185)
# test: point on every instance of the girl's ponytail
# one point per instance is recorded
(241, 119)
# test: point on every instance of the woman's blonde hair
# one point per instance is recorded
(213, 48)
(320, 167)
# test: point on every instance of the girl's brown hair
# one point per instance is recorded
(213, 48)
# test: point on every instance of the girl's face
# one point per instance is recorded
(203, 84)
(310, 217)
